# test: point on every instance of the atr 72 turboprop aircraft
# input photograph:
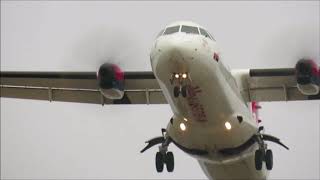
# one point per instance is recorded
(215, 111)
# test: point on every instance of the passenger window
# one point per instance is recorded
(190, 29)
(171, 30)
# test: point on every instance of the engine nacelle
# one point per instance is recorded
(111, 81)
(308, 77)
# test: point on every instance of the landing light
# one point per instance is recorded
(183, 126)
(176, 76)
(228, 125)
(185, 119)
(184, 75)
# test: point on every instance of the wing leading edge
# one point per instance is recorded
(81, 87)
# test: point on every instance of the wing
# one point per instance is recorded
(82, 87)
(271, 85)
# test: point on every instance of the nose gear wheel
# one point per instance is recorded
(180, 90)
(184, 91)
(176, 91)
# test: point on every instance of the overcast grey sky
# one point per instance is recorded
(67, 140)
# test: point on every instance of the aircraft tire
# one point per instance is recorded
(184, 91)
(176, 91)
(170, 161)
(159, 162)
(269, 159)
(258, 159)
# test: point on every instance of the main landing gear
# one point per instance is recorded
(264, 154)
(181, 87)
(163, 156)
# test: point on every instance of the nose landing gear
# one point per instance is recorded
(181, 88)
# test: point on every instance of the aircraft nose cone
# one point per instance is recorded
(177, 51)
(172, 55)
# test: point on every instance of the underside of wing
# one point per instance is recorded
(285, 84)
(107, 86)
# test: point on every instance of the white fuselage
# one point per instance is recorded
(213, 99)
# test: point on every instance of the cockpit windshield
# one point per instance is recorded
(171, 30)
(186, 29)
(189, 29)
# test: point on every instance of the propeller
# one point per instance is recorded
(106, 44)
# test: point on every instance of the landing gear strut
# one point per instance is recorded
(180, 90)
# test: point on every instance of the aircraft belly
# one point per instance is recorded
(243, 168)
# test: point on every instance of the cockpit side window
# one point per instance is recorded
(171, 30)
(203, 32)
(190, 29)
(160, 33)
(211, 36)
(206, 34)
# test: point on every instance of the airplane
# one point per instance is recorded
(215, 110)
